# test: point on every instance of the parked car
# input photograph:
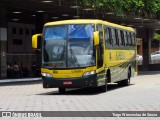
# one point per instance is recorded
(155, 57)
(140, 59)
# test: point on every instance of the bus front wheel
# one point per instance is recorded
(104, 87)
(62, 90)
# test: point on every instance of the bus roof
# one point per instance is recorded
(91, 21)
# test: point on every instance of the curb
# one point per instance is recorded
(20, 80)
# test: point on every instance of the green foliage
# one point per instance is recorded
(157, 36)
(141, 7)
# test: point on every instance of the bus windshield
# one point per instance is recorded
(68, 46)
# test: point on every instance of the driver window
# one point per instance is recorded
(99, 27)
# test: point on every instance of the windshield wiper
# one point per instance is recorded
(74, 57)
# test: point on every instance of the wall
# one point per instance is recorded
(19, 46)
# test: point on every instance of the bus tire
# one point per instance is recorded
(125, 82)
(62, 90)
(104, 87)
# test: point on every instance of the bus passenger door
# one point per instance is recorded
(100, 49)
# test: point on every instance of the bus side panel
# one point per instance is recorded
(118, 61)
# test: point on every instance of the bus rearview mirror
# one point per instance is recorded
(96, 38)
(36, 41)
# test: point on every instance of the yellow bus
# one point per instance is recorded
(86, 53)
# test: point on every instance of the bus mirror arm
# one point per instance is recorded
(36, 41)
(96, 38)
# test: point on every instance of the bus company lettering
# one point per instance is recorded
(120, 55)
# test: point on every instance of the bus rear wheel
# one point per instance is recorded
(62, 90)
(125, 82)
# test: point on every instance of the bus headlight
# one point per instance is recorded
(89, 73)
(46, 74)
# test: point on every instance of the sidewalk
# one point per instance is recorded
(148, 72)
(19, 80)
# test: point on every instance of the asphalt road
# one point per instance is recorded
(142, 95)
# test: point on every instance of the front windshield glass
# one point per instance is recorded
(55, 46)
(68, 46)
(80, 46)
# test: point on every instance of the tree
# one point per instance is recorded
(157, 36)
(121, 7)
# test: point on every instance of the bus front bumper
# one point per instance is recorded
(85, 81)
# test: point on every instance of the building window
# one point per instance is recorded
(17, 41)
(33, 32)
(27, 32)
(14, 30)
(20, 31)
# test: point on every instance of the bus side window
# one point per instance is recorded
(107, 36)
(116, 36)
(122, 37)
(129, 38)
(110, 36)
(133, 39)
(113, 37)
(125, 38)
(119, 38)
(130, 34)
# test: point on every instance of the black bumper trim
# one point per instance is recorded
(87, 81)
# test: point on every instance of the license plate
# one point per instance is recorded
(67, 83)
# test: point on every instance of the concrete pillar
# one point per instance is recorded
(41, 19)
(149, 33)
(39, 22)
(3, 42)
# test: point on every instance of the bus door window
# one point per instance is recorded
(100, 48)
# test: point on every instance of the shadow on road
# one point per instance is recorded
(85, 91)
